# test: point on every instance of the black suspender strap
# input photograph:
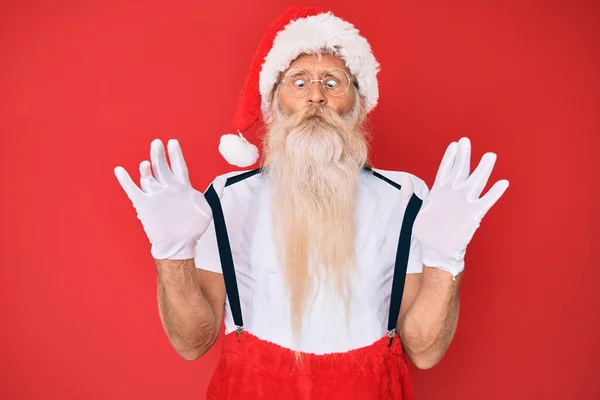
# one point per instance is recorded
(226, 257)
(402, 253)
(231, 287)
(401, 264)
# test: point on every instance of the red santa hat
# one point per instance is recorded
(299, 30)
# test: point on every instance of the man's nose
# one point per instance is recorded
(316, 94)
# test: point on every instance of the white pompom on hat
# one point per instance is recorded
(299, 30)
(237, 150)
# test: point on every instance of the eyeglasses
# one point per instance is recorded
(298, 82)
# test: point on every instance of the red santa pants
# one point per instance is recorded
(256, 369)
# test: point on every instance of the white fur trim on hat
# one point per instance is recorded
(323, 32)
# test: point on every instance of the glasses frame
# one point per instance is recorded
(350, 82)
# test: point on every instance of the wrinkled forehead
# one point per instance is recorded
(319, 62)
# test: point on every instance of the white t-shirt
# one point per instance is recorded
(262, 289)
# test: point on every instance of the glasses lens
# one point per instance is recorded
(336, 82)
(297, 82)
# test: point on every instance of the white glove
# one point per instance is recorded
(174, 215)
(453, 211)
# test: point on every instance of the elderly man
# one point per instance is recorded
(326, 270)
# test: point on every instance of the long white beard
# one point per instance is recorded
(313, 160)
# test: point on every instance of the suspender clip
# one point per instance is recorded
(391, 333)
(238, 332)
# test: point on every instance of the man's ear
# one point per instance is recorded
(274, 93)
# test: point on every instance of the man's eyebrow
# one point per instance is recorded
(318, 69)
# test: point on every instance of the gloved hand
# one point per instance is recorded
(174, 215)
(453, 211)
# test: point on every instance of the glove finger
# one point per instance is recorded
(131, 189)
(492, 196)
(462, 165)
(160, 166)
(446, 165)
(480, 176)
(177, 161)
(147, 181)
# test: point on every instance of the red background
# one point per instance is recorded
(86, 86)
